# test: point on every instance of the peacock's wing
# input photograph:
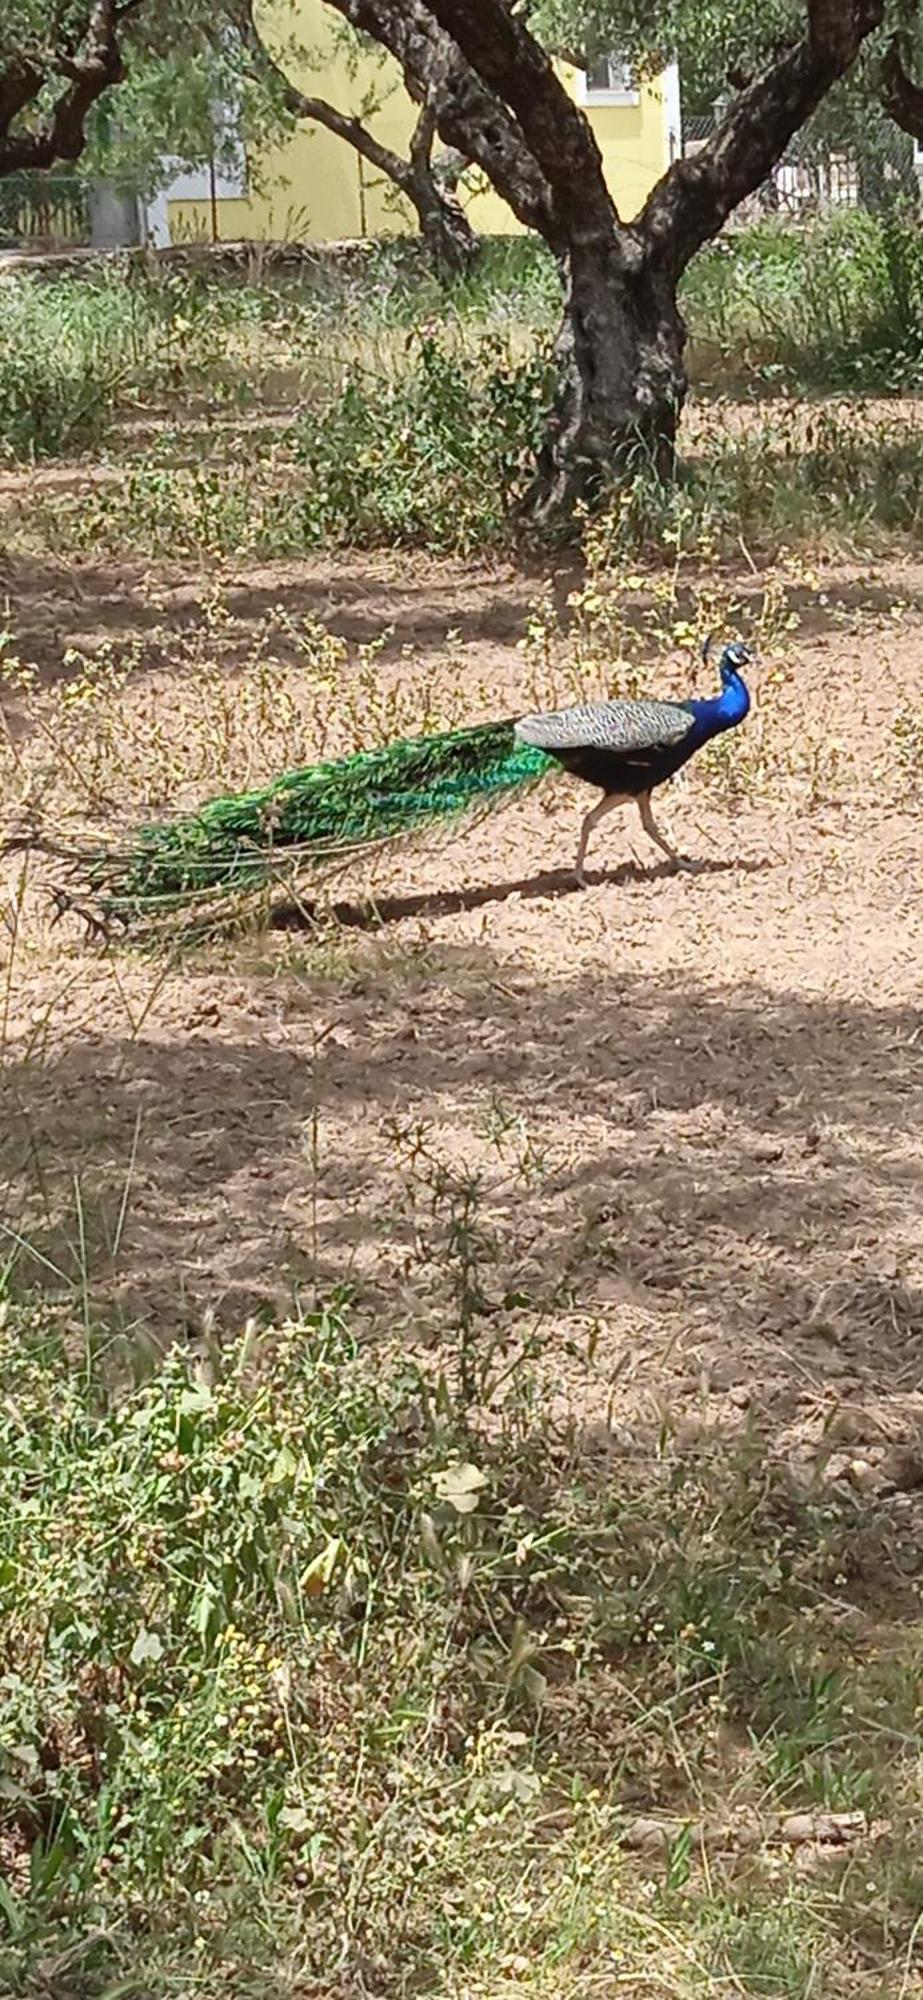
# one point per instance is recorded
(607, 725)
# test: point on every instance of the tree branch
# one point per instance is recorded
(421, 139)
(355, 133)
(91, 64)
(452, 241)
(448, 167)
(19, 85)
(470, 117)
(901, 98)
(692, 201)
(299, 105)
(510, 60)
(443, 223)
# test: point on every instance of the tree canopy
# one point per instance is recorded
(135, 80)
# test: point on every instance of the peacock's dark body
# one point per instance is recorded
(319, 816)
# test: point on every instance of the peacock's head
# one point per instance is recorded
(733, 661)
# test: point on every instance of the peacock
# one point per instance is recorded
(319, 816)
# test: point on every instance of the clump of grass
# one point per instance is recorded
(437, 457)
(78, 353)
(59, 373)
(72, 353)
(288, 1634)
(835, 304)
(838, 304)
(434, 455)
(428, 438)
(834, 476)
(512, 278)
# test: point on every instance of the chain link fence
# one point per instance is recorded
(44, 211)
(812, 178)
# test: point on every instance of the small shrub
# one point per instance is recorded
(838, 304)
(57, 387)
(437, 456)
(73, 352)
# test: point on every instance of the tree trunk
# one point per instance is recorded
(622, 382)
(503, 104)
(451, 242)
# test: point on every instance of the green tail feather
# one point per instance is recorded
(314, 816)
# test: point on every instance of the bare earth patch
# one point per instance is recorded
(692, 1104)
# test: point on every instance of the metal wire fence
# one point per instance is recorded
(43, 211)
(812, 178)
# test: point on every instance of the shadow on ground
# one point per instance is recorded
(62, 605)
(381, 910)
(740, 1174)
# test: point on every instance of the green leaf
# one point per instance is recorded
(282, 1467)
(316, 1577)
(194, 1402)
(533, 1684)
(10, 1909)
(203, 1606)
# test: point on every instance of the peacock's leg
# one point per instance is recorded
(592, 819)
(653, 831)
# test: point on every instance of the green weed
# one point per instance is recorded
(73, 353)
(411, 415)
(834, 476)
(437, 457)
(832, 305)
(79, 354)
(308, 1677)
(836, 304)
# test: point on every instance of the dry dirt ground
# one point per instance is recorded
(691, 1103)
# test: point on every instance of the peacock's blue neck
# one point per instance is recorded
(719, 712)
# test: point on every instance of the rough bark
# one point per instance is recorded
(444, 226)
(901, 97)
(621, 380)
(86, 63)
(620, 347)
(471, 117)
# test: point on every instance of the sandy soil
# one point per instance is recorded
(692, 1103)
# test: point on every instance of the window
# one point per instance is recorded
(607, 80)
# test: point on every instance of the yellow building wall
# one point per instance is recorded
(316, 188)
